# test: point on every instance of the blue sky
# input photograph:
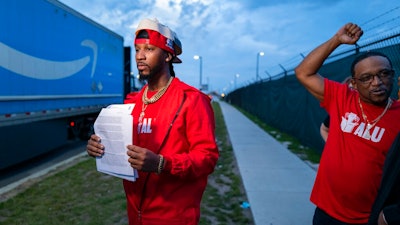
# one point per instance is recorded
(228, 34)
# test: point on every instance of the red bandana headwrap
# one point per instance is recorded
(157, 40)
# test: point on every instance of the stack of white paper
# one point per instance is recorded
(114, 125)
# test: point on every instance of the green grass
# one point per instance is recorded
(77, 195)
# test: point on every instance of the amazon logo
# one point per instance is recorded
(44, 69)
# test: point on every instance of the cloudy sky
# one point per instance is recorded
(229, 34)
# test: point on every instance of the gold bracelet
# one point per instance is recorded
(160, 164)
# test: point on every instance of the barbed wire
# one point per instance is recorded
(379, 27)
(381, 15)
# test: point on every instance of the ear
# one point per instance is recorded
(353, 84)
(169, 57)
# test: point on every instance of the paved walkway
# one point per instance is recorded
(277, 182)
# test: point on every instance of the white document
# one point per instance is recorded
(114, 125)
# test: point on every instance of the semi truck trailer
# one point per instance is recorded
(58, 69)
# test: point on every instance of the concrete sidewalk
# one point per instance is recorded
(277, 182)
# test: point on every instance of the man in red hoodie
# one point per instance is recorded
(174, 148)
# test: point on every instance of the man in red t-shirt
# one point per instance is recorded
(363, 124)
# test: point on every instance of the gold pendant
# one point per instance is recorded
(141, 117)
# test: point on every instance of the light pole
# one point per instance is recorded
(258, 59)
(197, 57)
(236, 76)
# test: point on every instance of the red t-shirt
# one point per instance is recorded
(351, 165)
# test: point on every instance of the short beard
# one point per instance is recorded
(143, 77)
(152, 75)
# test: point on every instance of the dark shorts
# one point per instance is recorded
(322, 218)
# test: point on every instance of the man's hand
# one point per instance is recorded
(349, 34)
(94, 147)
(143, 159)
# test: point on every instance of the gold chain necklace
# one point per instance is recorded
(157, 95)
(147, 101)
(366, 134)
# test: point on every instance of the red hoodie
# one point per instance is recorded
(189, 147)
